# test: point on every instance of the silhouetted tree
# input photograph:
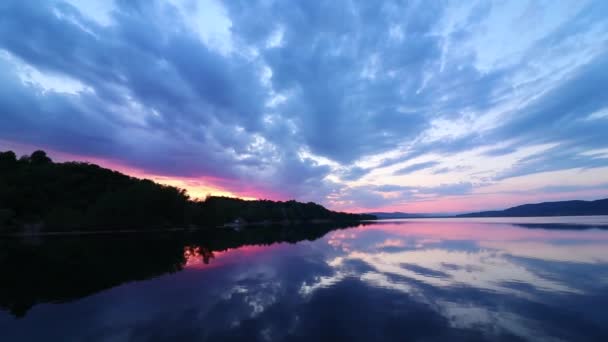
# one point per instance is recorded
(69, 196)
(40, 157)
(7, 159)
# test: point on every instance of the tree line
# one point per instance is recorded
(37, 192)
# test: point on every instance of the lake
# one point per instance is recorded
(537, 279)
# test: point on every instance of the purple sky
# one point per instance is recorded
(420, 106)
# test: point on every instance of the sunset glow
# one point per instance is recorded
(425, 107)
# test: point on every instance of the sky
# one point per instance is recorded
(416, 106)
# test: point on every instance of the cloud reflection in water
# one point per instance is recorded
(410, 280)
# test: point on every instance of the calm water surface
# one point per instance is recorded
(538, 279)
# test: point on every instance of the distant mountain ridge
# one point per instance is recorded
(562, 208)
(398, 215)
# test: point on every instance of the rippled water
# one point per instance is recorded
(452, 279)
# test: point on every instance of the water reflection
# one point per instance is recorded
(400, 280)
(61, 269)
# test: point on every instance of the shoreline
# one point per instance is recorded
(228, 226)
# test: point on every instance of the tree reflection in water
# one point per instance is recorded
(435, 279)
(61, 269)
(194, 254)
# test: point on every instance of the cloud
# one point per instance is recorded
(458, 168)
(461, 188)
(392, 188)
(354, 173)
(235, 91)
(416, 167)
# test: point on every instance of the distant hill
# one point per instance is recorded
(397, 215)
(38, 195)
(563, 208)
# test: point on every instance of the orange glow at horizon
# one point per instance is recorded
(199, 187)
(196, 187)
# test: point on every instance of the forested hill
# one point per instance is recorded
(563, 208)
(36, 192)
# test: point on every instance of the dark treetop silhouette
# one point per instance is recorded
(37, 194)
